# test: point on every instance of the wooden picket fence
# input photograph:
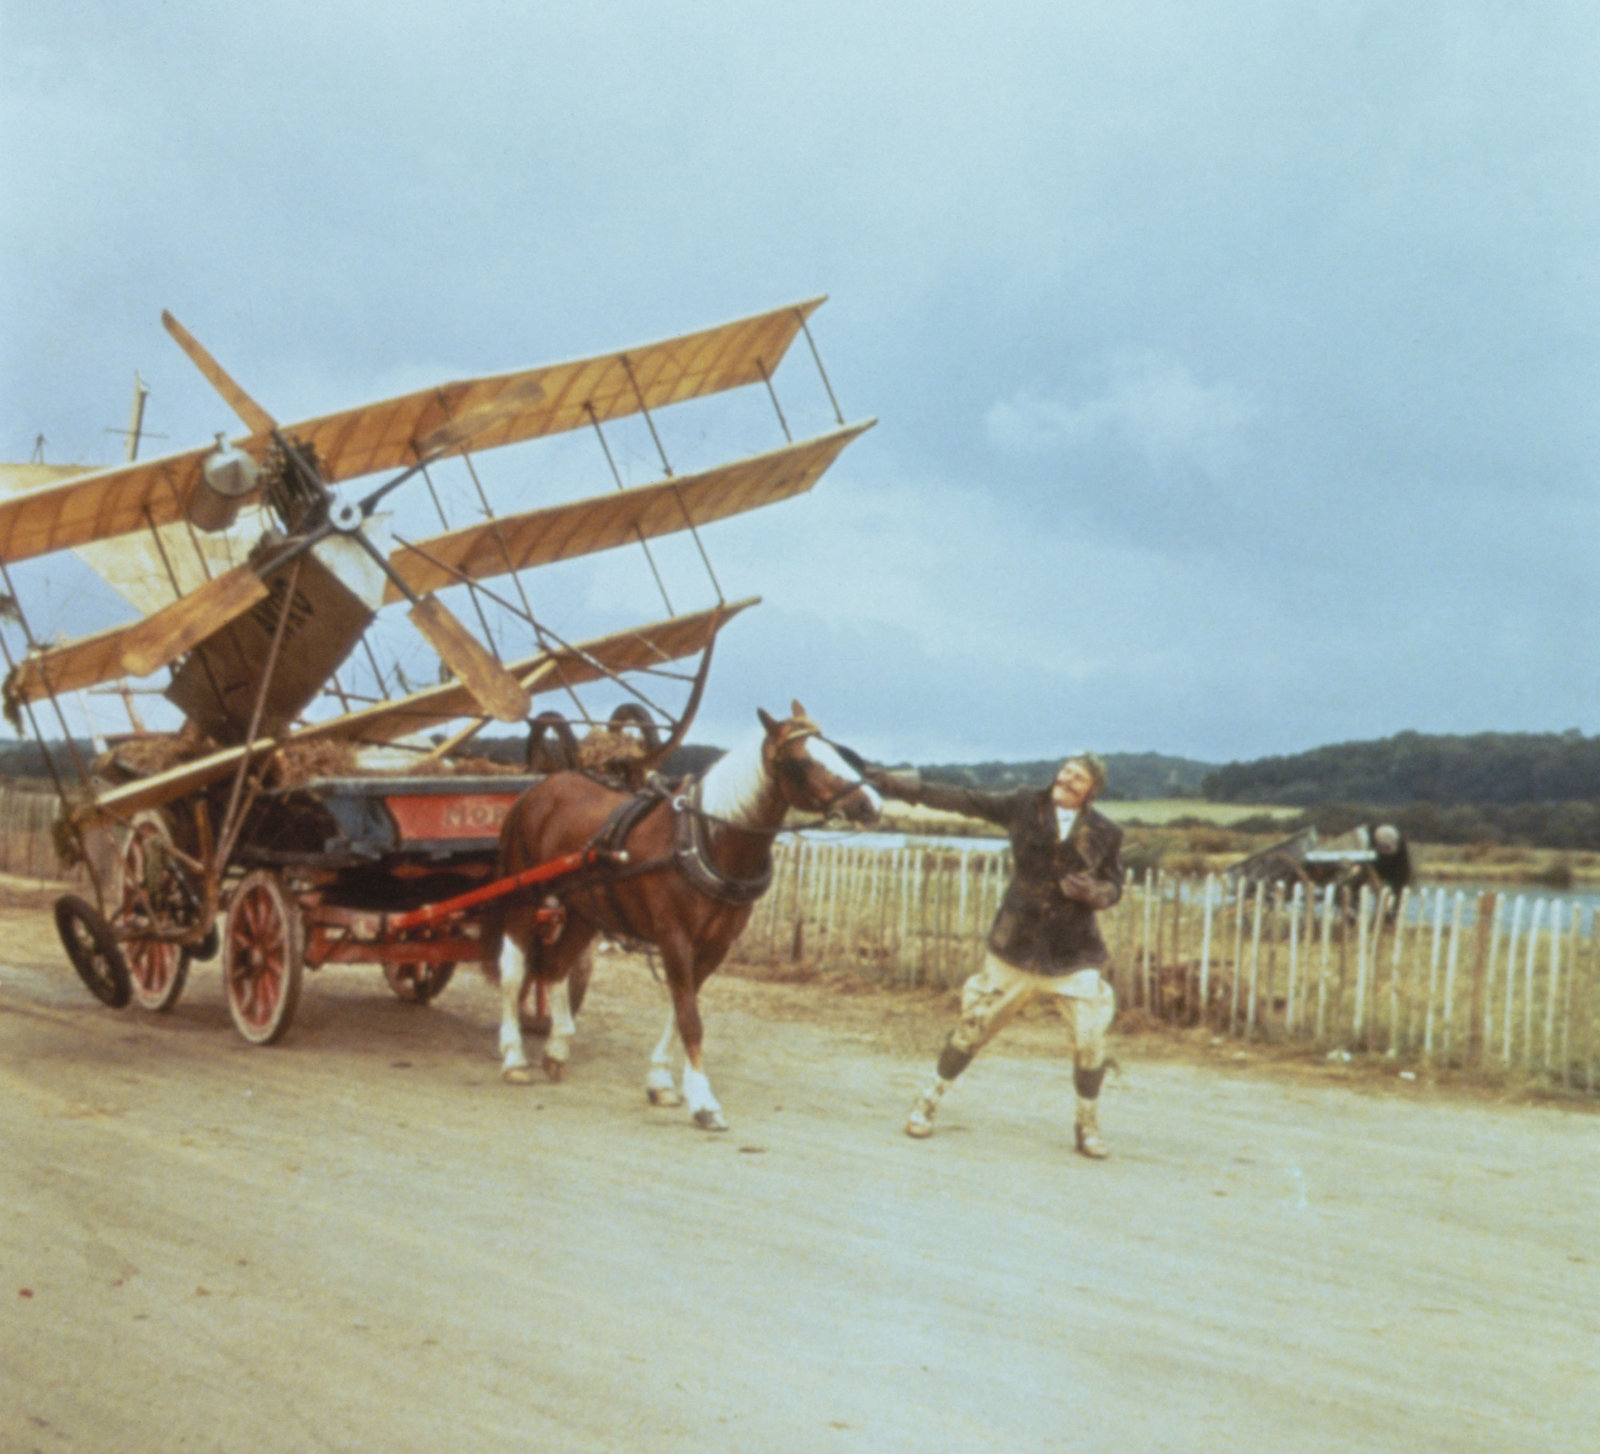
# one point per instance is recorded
(1504, 983)
(27, 849)
(1508, 983)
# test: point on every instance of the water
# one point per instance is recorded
(1582, 899)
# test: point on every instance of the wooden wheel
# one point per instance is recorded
(93, 950)
(263, 957)
(417, 981)
(153, 897)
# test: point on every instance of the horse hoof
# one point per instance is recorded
(663, 1096)
(517, 1075)
(554, 1069)
(710, 1120)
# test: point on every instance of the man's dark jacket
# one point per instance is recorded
(1041, 926)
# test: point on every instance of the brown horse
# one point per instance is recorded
(696, 863)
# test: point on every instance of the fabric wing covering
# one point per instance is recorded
(561, 532)
(473, 414)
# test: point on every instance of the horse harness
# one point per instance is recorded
(690, 852)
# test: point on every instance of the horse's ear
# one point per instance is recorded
(767, 721)
(796, 709)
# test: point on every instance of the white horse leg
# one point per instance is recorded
(659, 1085)
(558, 1048)
(513, 1061)
(702, 1103)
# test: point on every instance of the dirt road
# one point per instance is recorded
(361, 1240)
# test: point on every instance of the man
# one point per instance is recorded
(1044, 941)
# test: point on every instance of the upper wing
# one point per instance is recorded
(98, 505)
(560, 532)
(480, 413)
(509, 408)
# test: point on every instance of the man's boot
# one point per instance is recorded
(1087, 1131)
(920, 1122)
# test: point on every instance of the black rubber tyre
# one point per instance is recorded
(94, 951)
(631, 717)
(557, 755)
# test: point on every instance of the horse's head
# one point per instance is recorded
(813, 774)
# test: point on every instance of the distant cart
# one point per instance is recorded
(1374, 852)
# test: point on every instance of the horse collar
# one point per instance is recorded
(694, 860)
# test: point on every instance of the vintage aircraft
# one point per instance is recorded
(259, 565)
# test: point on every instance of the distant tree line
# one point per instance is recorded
(1532, 789)
(1497, 768)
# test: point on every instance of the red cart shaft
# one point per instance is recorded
(540, 873)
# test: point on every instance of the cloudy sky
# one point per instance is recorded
(1236, 361)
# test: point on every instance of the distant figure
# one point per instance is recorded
(1391, 867)
(1044, 941)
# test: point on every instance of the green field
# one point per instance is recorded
(1152, 812)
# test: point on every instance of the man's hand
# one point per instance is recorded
(1087, 889)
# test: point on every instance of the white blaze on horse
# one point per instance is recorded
(697, 861)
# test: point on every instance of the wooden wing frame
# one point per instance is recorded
(635, 649)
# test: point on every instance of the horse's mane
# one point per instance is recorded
(734, 784)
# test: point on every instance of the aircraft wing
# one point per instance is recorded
(621, 651)
(138, 649)
(509, 408)
(481, 413)
(560, 532)
(98, 505)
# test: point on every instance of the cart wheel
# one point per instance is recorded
(631, 717)
(262, 957)
(417, 981)
(152, 895)
(93, 950)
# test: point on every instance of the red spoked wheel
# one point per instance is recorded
(263, 957)
(153, 897)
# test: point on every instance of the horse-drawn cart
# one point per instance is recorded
(256, 581)
(394, 871)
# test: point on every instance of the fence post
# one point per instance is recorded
(1396, 970)
(1451, 963)
(1359, 1023)
(1205, 954)
(1486, 932)
(1518, 904)
(1433, 970)
(1553, 985)
(1255, 954)
(1527, 984)
(1291, 1009)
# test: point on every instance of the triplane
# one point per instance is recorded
(277, 837)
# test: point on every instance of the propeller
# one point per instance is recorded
(499, 693)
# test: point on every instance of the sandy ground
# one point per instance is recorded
(361, 1240)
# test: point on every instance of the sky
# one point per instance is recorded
(1236, 363)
